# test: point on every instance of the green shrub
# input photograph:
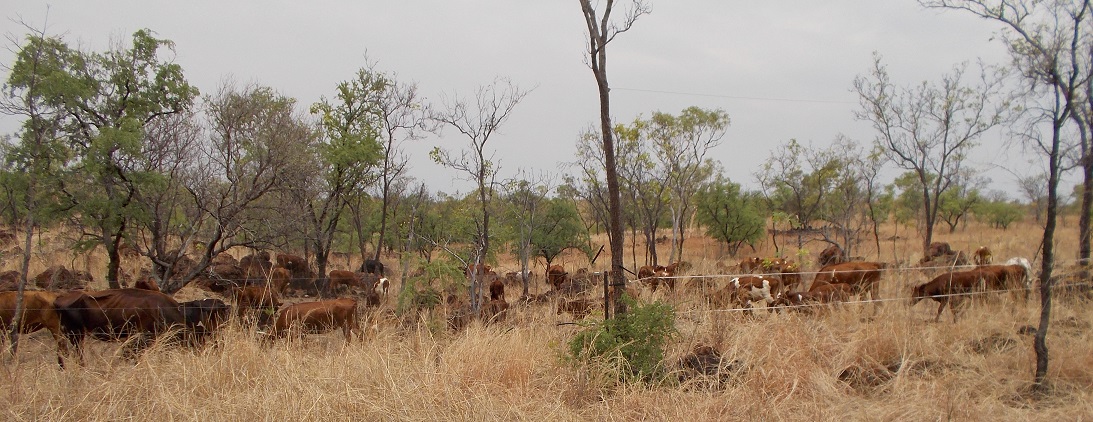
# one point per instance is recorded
(632, 344)
(413, 297)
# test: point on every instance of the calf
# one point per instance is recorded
(832, 255)
(372, 266)
(579, 308)
(983, 256)
(862, 277)
(349, 279)
(495, 310)
(260, 299)
(205, 317)
(651, 276)
(38, 313)
(382, 286)
(497, 289)
(318, 317)
(747, 290)
(556, 275)
(943, 288)
(751, 265)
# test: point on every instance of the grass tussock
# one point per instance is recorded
(846, 364)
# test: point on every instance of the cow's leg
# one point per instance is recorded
(62, 347)
(941, 308)
(76, 339)
(874, 296)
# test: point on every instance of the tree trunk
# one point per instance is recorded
(1086, 214)
(113, 266)
(1047, 263)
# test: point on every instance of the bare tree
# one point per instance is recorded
(1051, 46)
(493, 106)
(928, 129)
(1034, 188)
(247, 156)
(403, 117)
(601, 31)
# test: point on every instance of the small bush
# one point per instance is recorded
(632, 344)
(414, 298)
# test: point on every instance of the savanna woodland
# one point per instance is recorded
(234, 254)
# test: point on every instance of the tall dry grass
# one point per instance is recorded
(850, 363)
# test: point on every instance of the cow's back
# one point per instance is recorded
(38, 311)
(118, 313)
(317, 315)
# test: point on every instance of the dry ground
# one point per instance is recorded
(843, 365)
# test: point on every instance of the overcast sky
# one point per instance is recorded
(781, 69)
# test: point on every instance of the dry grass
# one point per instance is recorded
(843, 365)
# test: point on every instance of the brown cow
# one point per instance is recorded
(831, 293)
(942, 287)
(477, 269)
(652, 276)
(1005, 277)
(832, 255)
(116, 314)
(260, 299)
(825, 293)
(279, 279)
(579, 308)
(556, 275)
(317, 317)
(983, 256)
(145, 281)
(345, 278)
(497, 289)
(205, 317)
(746, 290)
(751, 265)
(256, 266)
(863, 277)
(38, 313)
(937, 249)
(495, 310)
(295, 264)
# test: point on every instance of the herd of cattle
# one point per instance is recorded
(71, 313)
(256, 287)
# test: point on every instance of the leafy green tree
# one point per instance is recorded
(28, 173)
(999, 214)
(108, 100)
(561, 229)
(347, 154)
(681, 144)
(908, 201)
(728, 214)
(644, 184)
(957, 202)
